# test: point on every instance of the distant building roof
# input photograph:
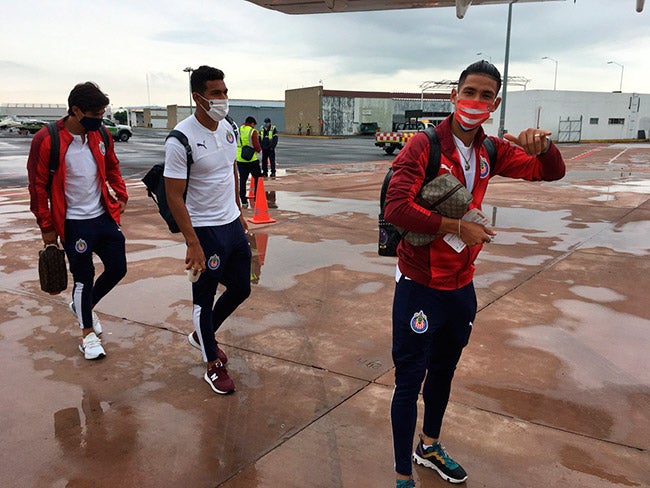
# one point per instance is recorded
(255, 103)
(390, 95)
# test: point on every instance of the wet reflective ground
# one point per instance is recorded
(553, 389)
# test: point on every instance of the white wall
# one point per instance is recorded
(544, 108)
(378, 110)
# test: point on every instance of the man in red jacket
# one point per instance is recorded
(78, 207)
(435, 302)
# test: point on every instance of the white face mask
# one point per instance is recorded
(218, 108)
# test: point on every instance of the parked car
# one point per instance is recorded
(31, 126)
(118, 131)
(368, 128)
(10, 124)
(401, 133)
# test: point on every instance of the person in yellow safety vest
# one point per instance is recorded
(249, 142)
(269, 140)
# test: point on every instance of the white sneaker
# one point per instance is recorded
(97, 325)
(91, 346)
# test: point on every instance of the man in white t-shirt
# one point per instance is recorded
(210, 217)
(75, 204)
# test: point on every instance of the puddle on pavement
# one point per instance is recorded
(608, 175)
(630, 238)
(598, 345)
(566, 232)
(368, 288)
(282, 320)
(597, 293)
(557, 226)
(11, 211)
(319, 206)
(285, 260)
(608, 191)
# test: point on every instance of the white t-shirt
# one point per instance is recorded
(466, 155)
(211, 190)
(82, 187)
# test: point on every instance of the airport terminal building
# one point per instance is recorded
(572, 116)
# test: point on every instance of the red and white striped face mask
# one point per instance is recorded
(472, 113)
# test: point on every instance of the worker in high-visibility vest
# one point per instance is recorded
(249, 153)
(269, 140)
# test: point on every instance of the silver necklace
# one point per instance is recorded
(462, 155)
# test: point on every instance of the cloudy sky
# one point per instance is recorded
(136, 50)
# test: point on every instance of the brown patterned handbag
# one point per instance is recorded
(444, 195)
(52, 271)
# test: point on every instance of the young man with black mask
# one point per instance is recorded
(77, 207)
(435, 303)
(210, 218)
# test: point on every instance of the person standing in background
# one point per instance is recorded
(269, 141)
(249, 141)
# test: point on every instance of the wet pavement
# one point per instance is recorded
(553, 389)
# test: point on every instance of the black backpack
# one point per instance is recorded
(389, 236)
(55, 146)
(154, 180)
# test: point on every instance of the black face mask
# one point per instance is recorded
(90, 123)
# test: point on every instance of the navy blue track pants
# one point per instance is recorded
(244, 169)
(103, 237)
(228, 261)
(430, 329)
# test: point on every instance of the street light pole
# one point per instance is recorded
(555, 79)
(189, 70)
(506, 61)
(484, 54)
(620, 88)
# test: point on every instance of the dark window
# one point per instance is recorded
(593, 120)
(616, 121)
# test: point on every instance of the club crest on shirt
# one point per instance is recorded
(419, 323)
(214, 262)
(230, 137)
(484, 167)
(80, 246)
(102, 148)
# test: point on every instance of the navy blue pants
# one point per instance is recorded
(430, 329)
(245, 169)
(228, 256)
(268, 158)
(103, 237)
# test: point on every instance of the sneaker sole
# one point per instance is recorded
(99, 356)
(428, 464)
(97, 328)
(214, 388)
(192, 342)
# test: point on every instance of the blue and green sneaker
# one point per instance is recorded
(405, 483)
(436, 458)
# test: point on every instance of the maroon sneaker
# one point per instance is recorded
(193, 339)
(218, 379)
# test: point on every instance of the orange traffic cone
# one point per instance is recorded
(251, 189)
(261, 214)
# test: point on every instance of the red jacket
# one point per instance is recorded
(437, 265)
(38, 168)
